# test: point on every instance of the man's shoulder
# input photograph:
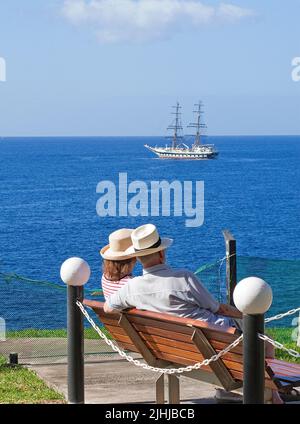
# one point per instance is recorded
(182, 271)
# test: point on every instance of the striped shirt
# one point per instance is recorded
(109, 287)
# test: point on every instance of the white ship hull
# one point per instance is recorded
(198, 153)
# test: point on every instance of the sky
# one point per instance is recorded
(115, 67)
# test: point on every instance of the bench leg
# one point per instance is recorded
(174, 396)
(160, 389)
(268, 395)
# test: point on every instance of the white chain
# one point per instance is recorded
(279, 316)
(278, 345)
(148, 367)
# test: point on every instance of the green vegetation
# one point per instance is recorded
(89, 333)
(20, 385)
(284, 336)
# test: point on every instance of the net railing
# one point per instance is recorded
(33, 313)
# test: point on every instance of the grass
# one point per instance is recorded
(284, 336)
(89, 333)
(21, 385)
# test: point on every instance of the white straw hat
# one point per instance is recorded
(146, 240)
(119, 245)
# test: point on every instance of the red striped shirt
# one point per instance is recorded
(109, 287)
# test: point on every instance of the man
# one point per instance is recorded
(163, 289)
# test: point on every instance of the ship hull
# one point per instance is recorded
(184, 154)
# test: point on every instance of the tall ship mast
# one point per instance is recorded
(198, 125)
(180, 150)
(176, 126)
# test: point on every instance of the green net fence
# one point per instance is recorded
(33, 312)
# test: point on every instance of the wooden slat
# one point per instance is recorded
(185, 342)
(284, 370)
(274, 363)
(157, 342)
(121, 338)
(178, 352)
(170, 328)
(115, 330)
(167, 318)
(190, 349)
(110, 321)
(139, 343)
(222, 341)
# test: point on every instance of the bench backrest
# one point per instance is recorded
(164, 339)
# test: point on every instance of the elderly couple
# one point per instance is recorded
(160, 288)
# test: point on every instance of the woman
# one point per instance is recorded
(118, 263)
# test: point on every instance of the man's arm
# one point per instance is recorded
(108, 309)
(118, 301)
(206, 300)
(229, 311)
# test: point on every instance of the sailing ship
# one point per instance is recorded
(179, 149)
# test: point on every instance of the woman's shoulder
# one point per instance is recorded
(121, 281)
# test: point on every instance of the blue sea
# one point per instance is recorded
(48, 211)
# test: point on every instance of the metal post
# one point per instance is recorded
(75, 346)
(230, 244)
(253, 297)
(75, 272)
(13, 359)
(254, 359)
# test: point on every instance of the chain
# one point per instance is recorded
(279, 316)
(148, 367)
(278, 345)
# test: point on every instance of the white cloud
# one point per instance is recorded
(145, 20)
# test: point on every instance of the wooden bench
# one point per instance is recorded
(166, 341)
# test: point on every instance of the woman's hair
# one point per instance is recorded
(115, 270)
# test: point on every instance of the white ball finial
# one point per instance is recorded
(75, 272)
(253, 296)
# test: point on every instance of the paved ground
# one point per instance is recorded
(54, 349)
(114, 380)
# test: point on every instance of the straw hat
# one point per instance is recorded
(146, 240)
(119, 245)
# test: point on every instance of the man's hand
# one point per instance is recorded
(229, 311)
(108, 310)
